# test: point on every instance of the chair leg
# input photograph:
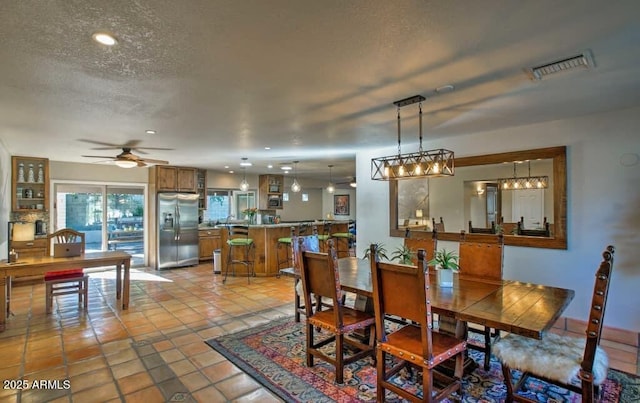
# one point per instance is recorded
(226, 269)
(506, 373)
(487, 348)
(339, 358)
(309, 345)
(85, 293)
(380, 366)
(296, 302)
(48, 297)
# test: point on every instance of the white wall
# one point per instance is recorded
(603, 207)
(5, 199)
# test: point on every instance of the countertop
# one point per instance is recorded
(280, 225)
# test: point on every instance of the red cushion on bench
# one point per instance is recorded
(63, 274)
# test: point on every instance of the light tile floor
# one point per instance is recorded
(154, 351)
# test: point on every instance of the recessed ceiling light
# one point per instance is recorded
(231, 171)
(286, 168)
(267, 148)
(104, 38)
(226, 167)
(150, 131)
(269, 166)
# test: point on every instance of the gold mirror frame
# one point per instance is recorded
(559, 238)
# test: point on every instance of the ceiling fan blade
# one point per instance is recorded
(110, 146)
(97, 156)
(152, 161)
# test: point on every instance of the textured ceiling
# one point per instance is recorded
(313, 80)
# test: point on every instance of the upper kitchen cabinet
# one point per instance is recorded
(270, 192)
(29, 184)
(174, 179)
(202, 189)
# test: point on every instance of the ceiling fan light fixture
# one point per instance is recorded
(245, 162)
(421, 164)
(126, 164)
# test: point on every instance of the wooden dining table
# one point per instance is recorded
(522, 308)
(34, 266)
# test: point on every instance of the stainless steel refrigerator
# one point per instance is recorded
(177, 230)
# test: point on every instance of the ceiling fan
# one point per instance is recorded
(126, 159)
(351, 182)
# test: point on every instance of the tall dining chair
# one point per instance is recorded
(345, 241)
(69, 281)
(414, 345)
(574, 363)
(427, 242)
(320, 278)
(302, 243)
(242, 251)
(482, 261)
(437, 226)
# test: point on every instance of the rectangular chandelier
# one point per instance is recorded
(430, 163)
(530, 182)
(519, 183)
(420, 164)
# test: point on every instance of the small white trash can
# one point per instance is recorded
(217, 261)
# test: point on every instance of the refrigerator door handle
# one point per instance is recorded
(178, 223)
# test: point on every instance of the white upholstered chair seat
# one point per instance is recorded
(555, 357)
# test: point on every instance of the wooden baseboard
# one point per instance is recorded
(613, 334)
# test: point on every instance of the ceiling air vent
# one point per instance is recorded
(581, 61)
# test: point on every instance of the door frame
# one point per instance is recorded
(103, 184)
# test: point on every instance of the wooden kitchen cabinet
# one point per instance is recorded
(209, 240)
(270, 192)
(175, 179)
(29, 184)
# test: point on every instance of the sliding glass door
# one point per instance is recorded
(111, 216)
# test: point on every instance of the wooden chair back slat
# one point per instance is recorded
(68, 235)
(238, 231)
(320, 277)
(479, 230)
(438, 226)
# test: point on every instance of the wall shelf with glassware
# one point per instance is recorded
(29, 184)
(270, 192)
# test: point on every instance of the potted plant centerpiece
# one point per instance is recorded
(403, 255)
(446, 263)
(381, 252)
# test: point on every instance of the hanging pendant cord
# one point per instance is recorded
(399, 152)
(420, 123)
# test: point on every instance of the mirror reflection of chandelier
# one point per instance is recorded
(430, 163)
(528, 182)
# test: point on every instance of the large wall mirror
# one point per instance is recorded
(474, 200)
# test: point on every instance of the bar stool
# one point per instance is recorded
(239, 238)
(285, 243)
(345, 241)
(324, 236)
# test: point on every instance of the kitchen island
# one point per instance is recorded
(265, 238)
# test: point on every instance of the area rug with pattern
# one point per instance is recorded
(274, 355)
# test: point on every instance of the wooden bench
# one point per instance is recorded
(121, 237)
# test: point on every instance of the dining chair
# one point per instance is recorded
(414, 345)
(320, 278)
(543, 231)
(480, 230)
(439, 227)
(345, 241)
(302, 243)
(427, 242)
(482, 261)
(241, 250)
(69, 281)
(577, 364)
